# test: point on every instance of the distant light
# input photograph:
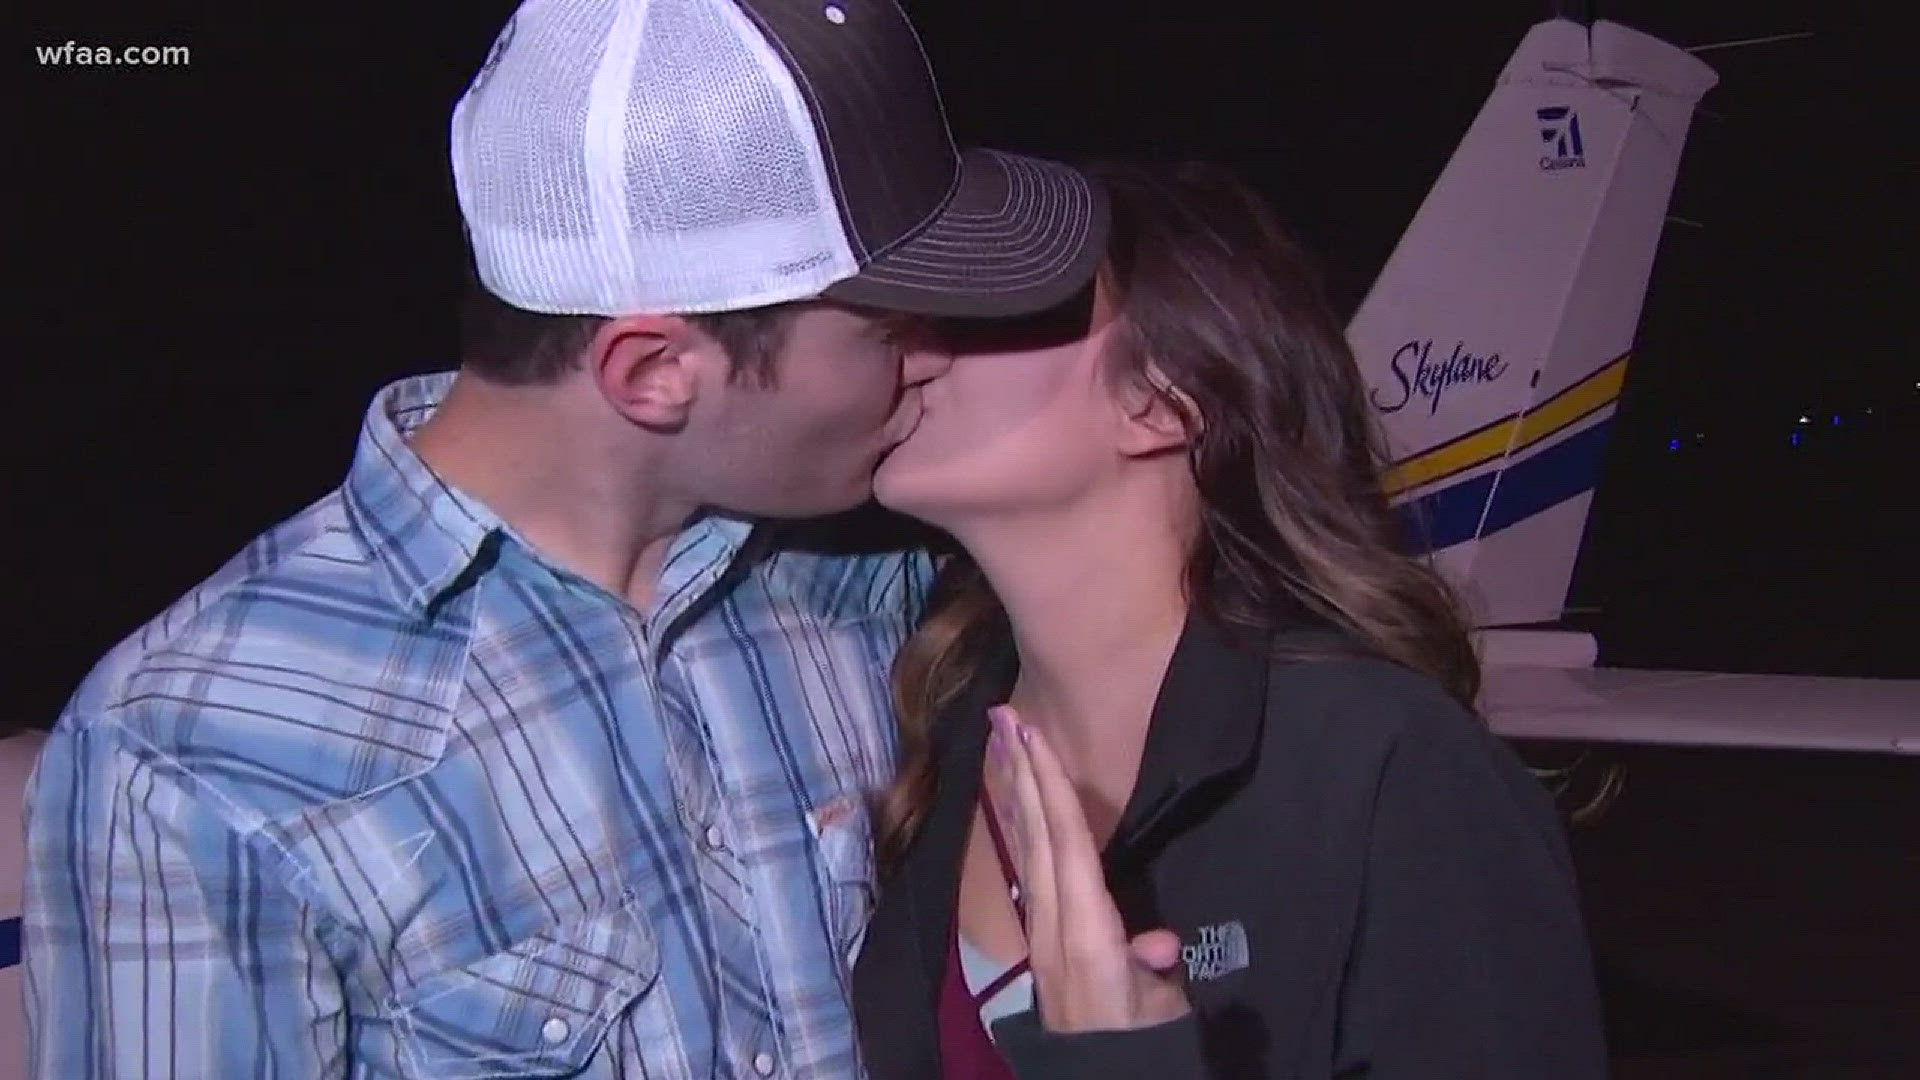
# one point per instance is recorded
(1796, 438)
(1673, 444)
(1804, 420)
(1836, 419)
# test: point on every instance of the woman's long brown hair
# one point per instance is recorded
(1219, 308)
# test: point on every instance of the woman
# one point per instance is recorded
(1231, 814)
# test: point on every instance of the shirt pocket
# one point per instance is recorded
(843, 836)
(541, 1007)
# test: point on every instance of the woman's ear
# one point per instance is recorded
(1159, 416)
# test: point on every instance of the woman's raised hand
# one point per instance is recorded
(1087, 975)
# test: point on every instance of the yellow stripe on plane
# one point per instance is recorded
(1514, 433)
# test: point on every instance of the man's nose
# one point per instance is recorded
(924, 363)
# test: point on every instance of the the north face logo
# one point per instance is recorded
(1215, 951)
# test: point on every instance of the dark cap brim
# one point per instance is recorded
(1019, 236)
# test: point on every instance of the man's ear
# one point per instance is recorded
(645, 367)
(1159, 416)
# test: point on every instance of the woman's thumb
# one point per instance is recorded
(1157, 949)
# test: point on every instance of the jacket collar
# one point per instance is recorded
(1205, 727)
(1204, 731)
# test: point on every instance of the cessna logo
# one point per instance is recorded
(1560, 131)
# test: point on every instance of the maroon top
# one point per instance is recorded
(966, 1050)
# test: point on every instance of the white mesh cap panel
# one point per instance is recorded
(620, 156)
(727, 189)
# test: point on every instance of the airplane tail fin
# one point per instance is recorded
(1495, 341)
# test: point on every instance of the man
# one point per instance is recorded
(18, 751)
(525, 753)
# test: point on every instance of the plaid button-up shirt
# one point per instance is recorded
(392, 796)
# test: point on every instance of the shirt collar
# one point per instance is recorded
(426, 537)
(697, 563)
(422, 535)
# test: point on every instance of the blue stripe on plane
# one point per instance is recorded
(9, 942)
(1451, 515)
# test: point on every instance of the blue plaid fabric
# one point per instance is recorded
(391, 796)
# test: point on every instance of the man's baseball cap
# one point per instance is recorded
(621, 156)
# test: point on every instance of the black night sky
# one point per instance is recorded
(222, 261)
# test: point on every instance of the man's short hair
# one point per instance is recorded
(511, 347)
